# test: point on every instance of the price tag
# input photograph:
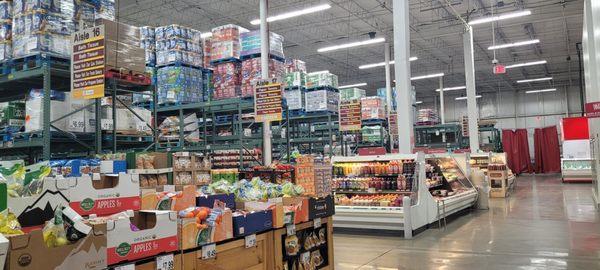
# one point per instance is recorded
(250, 240)
(165, 262)
(291, 229)
(317, 223)
(209, 251)
(130, 266)
(106, 124)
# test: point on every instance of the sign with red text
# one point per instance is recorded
(499, 69)
(87, 63)
(592, 109)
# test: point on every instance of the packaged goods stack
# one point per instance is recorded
(191, 168)
(127, 122)
(231, 158)
(314, 175)
(225, 59)
(170, 129)
(382, 92)
(123, 50)
(177, 44)
(352, 94)
(372, 108)
(427, 117)
(43, 27)
(251, 72)
(206, 49)
(322, 94)
(295, 84)
(5, 30)
(148, 43)
(34, 110)
(251, 62)
(372, 134)
(179, 85)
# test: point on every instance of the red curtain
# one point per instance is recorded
(547, 150)
(516, 147)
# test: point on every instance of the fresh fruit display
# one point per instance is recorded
(9, 225)
(20, 183)
(254, 190)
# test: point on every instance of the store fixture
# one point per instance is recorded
(374, 192)
(576, 169)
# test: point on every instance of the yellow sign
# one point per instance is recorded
(87, 63)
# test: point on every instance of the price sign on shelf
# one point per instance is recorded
(250, 240)
(317, 223)
(165, 262)
(209, 251)
(130, 266)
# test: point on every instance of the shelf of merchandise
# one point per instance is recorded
(576, 170)
(424, 207)
(48, 73)
(433, 136)
(310, 133)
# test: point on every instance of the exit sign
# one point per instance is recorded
(499, 69)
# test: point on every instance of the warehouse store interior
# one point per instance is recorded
(299, 134)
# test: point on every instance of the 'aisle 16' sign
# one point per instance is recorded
(87, 63)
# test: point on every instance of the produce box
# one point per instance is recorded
(35, 210)
(277, 212)
(103, 195)
(209, 200)
(246, 223)
(296, 205)
(29, 251)
(174, 198)
(216, 228)
(321, 207)
(157, 234)
(113, 166)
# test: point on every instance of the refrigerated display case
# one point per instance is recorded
(576, 170)
(375, 192)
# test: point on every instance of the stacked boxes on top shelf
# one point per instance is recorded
(382, 92)
(251, 61)
(348, 94)
(5, 30)
(225, 58)
(372, 108)
(148, 43)
(295, 83)
(177, 44)
(322, 94)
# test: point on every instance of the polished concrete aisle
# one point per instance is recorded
(544, 225)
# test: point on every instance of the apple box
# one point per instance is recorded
(30, 252)
(104, 196)
(35, 210)
(146, 234)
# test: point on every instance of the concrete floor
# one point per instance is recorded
(544, 225)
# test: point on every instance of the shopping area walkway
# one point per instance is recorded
(544, 225)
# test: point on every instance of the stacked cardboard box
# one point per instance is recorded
(122, 46)
(322, 100)
(294, 99)
(226, 42)
(251, 44)
(295, 79)
(372, 108)
(227, 80)
(179, 85)
(178, 44)
(34, 110)
(12, 114)
(318, 79)
(5, 30)
(251, 72)
(382, 92)
(295, 65)
(352, 94)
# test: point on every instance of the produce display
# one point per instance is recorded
(21, 181)
(274, 173)
(254, 190)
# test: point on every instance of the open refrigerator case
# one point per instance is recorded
(390, 192)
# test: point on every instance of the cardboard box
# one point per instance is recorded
(84, 120)
(157, 234)
(209, 200)
(246, 223)
(113, 166)
(105, 196)
(297, 205)
(183, 197)
(123, 50)
(321, 207)
(191, 236)
(30, 252)
(35, 210)
(3, 250)
(34, 109)
(277, 212)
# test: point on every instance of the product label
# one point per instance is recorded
(134, 251)
(106, 206)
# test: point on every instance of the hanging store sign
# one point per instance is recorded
(350, 115)
(87, 63)
(499, 69)
(268, 96)
(592, 109)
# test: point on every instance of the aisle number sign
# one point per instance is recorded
(350, 115)
(267, 101)
(87, 63)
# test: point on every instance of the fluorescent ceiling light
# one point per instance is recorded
(418, 102)
(515, 44)
(527, 64)
(206, 35)
(352, 85)
(293, 14)
(319, 72)
(464, 98)
(427, 76)
(452, 88)
(413, 58)
(351, 44)
(540, 91)
(499, 17)
(535, 80)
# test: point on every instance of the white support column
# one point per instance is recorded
(402, 68)
(471, 93)
(442, 111)
(264, 64)
(388, 89)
